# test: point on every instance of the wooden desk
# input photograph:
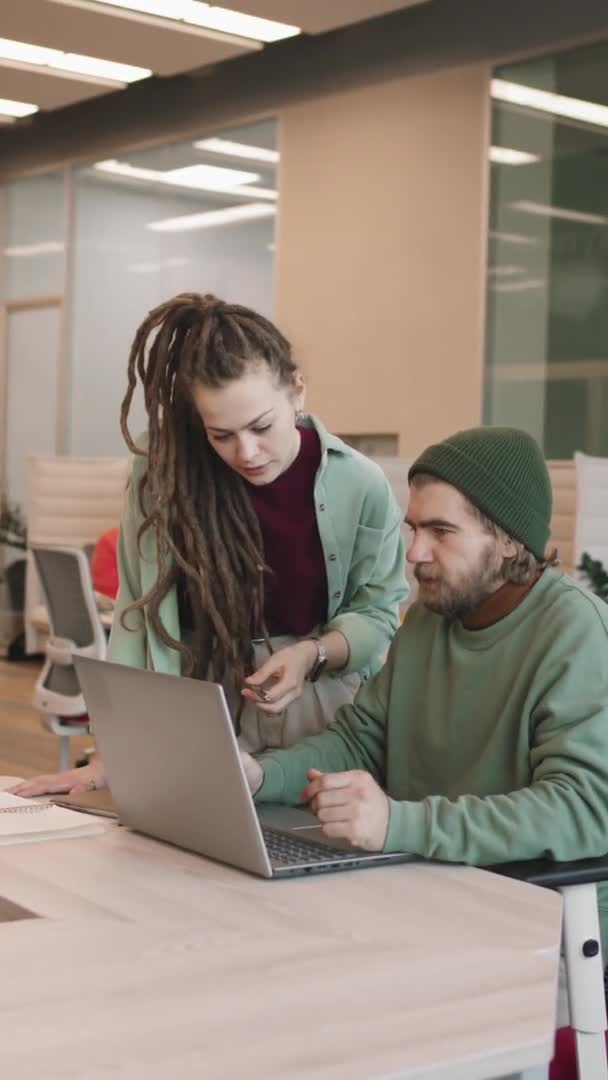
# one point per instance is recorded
(154, 963)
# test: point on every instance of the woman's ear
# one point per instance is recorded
(299, 395)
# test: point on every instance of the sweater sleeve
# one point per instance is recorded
(371, 618)
(563, 813)
(355, 740)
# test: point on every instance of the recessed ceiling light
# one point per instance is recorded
(194, 177)
(589, 112)
(504, 155)
(13, 110)
(196, 13)
(237, 149)
(562, 212)
(210, 219)
(21, 53)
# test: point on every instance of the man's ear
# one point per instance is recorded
(508, 547)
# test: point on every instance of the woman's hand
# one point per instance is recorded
(280, 679)
(74, 781)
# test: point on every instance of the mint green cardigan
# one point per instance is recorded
(359, 524)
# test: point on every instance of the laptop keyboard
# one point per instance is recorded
(286, 849)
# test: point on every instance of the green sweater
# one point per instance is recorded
(492, 744)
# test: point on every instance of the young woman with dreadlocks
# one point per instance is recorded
(255, 548)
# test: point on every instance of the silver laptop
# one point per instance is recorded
(174, 770)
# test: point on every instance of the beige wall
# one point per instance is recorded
(381, 252)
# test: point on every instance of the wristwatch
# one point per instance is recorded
(320, 663)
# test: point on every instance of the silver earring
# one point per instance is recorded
(299, 416)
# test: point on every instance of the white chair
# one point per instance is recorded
(75, 630)
(71, 501)
(584, 968)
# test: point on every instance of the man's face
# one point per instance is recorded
(456, 562)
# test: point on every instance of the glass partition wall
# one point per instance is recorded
(197, 216)
(85, 254)
(32, 324)
(547, 288)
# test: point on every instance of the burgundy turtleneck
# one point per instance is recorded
(296, 590)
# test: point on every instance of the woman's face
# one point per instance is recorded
(251, 423)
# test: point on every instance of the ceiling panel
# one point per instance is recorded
(106, 35)
(165, 48)
(318, 16)
(46, 91)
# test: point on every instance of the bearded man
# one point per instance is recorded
(484, 738)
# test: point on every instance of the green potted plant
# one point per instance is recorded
(13, 535)
(596, 575)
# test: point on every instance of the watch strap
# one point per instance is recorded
(320, 663)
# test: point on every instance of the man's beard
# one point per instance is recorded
(458, 601)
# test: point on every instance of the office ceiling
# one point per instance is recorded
(92, 28)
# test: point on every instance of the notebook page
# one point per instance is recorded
(26, 819)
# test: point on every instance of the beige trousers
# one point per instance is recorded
(311, 713)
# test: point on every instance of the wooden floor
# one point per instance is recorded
(25, 747)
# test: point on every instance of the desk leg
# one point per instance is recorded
(585, 979)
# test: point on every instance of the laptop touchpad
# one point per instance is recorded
(315, 834)
(299, 821)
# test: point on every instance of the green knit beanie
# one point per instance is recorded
(503, 473)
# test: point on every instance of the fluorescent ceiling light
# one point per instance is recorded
(514, 238)
(519, 286)
(505, 271)
(49, 247)
(237, 149)
(195, 13)
(211, 177)
(14, 109)
(589, 112)
(156, 267)
(194, 177)
(561, 212)
(504, 155)
(19, 52)
(209, 219)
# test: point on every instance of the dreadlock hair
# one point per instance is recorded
(198, 507)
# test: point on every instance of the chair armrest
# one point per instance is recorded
(553, 875)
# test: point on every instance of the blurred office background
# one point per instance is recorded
(415, 192)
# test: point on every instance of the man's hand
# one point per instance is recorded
(254, 772)
(349, 805)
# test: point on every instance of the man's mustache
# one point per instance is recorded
(424, 577)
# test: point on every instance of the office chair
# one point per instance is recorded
(75, 630)
(576, 881)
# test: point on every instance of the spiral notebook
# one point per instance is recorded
(25, 820)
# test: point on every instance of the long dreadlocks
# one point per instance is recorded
(198, 507)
